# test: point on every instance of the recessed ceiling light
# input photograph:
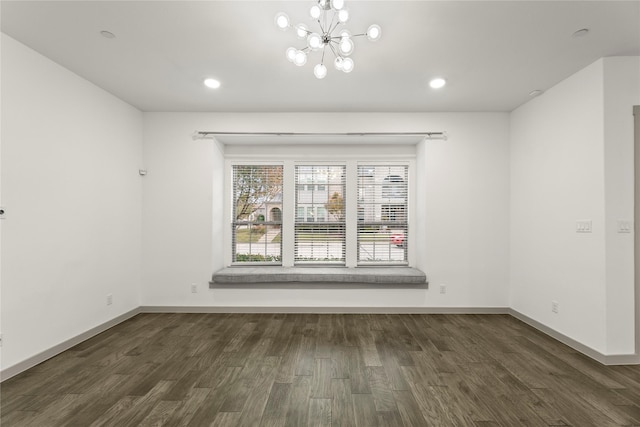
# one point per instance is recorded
(437, 83)
(107, 34)
(212, 83)
(581, 33)
(536, 92)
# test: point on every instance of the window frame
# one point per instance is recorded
(351, 163)
(266, 221)
(314, 211)
(394, 217)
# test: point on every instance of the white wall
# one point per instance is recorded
(464, 204)
(571, 161)
(70, 185)
(621, 93)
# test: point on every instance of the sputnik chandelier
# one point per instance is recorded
(330, 15)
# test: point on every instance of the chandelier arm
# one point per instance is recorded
(337, 46)
(334, 26)
(324, 18)
(333, 18)
(334, 51)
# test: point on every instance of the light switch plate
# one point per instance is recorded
(624, 226)
(583, 226)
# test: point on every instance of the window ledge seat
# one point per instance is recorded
(334, 275)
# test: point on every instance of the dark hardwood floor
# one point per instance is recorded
(320, 370)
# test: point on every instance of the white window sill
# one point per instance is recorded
(263, 275)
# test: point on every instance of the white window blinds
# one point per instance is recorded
(382, 214)
(257, 214)
(320, 214)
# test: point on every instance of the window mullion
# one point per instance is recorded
(288, 214)
(411, 218)
(351, 216)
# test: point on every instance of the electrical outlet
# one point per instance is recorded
(194, 288)
(109, 299)
(554, 306)
(443, 289)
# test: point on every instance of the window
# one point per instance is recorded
(320, 234)
(344, 213)
(257, 214)
(382, 214)
(393, 186)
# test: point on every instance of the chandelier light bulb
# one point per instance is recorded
(338, 63)
(337, 4)
(302, 31)
(343, 15)
(314, 41)
(374, 32)
(300, 58)
(346, 46)
(320, 71)
(291, 53)
(347, 65)
(315, 11)
(282, 21)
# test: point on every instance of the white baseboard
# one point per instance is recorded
(320, 310)
(611, 359)
(19, 367)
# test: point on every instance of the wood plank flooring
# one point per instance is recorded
(322, 370)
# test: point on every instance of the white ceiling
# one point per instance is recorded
(492, 53)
